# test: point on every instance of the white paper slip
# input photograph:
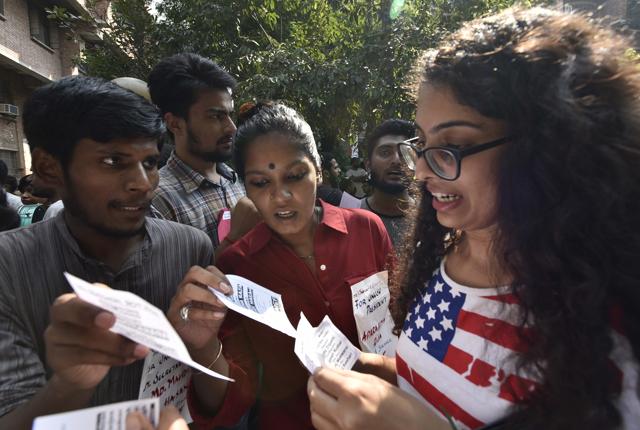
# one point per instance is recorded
(349, 201)
(371, 311)
(107, 417)
(324, 345)
(168, 380)
(139, 321)
(258, 303)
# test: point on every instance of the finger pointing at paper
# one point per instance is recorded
(195, 312)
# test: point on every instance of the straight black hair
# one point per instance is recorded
(176, 82)
(60, 114)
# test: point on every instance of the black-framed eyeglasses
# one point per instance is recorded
(444, 161)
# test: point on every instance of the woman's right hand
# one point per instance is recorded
(206, 312)
(348, 400)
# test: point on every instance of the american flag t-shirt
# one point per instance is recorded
(457, 351)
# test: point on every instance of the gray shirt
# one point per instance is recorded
(396, 225)
(53, 210)
(32, 260)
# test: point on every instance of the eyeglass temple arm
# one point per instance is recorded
(488, 145)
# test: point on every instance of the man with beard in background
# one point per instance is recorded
(195, 97)
(390, 199)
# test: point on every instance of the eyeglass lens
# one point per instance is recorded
(441, 161)
(408, 155)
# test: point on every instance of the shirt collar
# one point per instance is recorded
(332, 218)
(192, 180)
(135, 259)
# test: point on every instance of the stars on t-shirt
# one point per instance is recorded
(446, 324)
(435, 334)
(443, 306)
(432, 323)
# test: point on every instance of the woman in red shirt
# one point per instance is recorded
(308, 251)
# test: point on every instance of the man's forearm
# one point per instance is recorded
(54, 397)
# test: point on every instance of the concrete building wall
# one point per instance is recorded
(12, 143)
(26, 63)
(17, 44)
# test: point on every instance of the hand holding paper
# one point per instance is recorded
(130, 316)
(205, 312)
(324, 345)
(139, 321)
(80, 347)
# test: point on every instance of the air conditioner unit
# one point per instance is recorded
(8, 109)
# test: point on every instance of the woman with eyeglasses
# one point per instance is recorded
(519, 305)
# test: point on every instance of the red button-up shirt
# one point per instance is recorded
(349, 245)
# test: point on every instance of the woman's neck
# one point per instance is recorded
(473, 261)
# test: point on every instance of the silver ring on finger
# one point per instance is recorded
(184, 312)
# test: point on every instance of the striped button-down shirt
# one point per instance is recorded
(32, 261)
(188, 197)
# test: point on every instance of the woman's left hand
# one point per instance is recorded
(199, 327)
(347, 400)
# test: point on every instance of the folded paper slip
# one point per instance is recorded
(138, 320)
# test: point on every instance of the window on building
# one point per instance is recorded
(39, 23)
(5, 94)
(10, 158)
(1, 7)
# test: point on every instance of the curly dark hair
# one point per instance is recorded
(568, 198)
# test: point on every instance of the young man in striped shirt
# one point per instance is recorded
(97, 145)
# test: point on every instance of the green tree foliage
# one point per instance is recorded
(344, 64)
(130, 45)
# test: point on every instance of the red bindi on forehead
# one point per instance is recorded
(272, 166)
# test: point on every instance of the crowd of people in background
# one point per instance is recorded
(506, 214)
